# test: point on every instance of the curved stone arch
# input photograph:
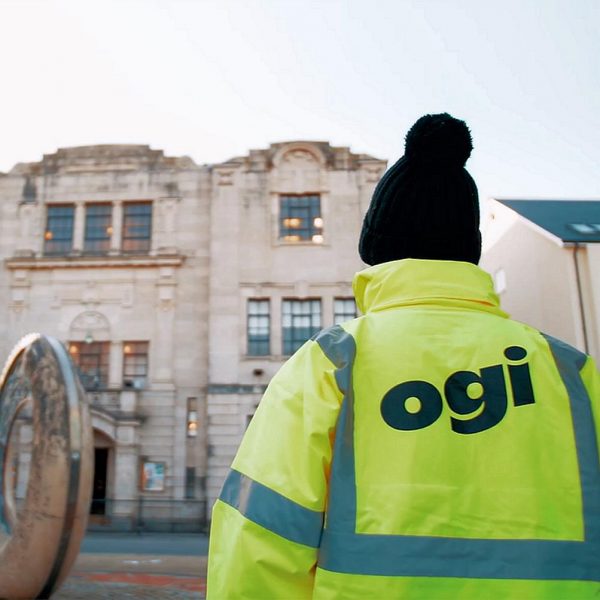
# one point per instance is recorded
(104, 424)
(299, 150)
(298, 168)
(90, 322)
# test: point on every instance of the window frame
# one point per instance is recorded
(344, 315)
(100, 226)
(262, 346)
(191, 428)
(132, 241)
(291, 343)
(78, 349)
(134, 353)
(298, 214)
(586, 228)
(64, 245)
(190, 483)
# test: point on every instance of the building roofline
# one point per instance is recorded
(563, 243)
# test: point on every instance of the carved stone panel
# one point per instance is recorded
(90, 322)
(299, 171)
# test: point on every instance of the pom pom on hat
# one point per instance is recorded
(439, 139)
(426, 205)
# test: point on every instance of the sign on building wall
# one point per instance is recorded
(153, 476)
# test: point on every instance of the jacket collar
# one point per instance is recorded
(412, 282)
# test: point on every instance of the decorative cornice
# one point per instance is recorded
(93, 262)
(103, 157)
(235, 388)
(327, 156)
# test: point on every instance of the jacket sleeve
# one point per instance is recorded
(267, 522)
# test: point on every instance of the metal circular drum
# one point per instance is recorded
(40, 541)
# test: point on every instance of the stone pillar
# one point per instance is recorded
(201, 449)
(165, 226)
(26, 241)
(79, 228)
(115, 362)
(326, 310)
(276, 333)
(163, 349)
(126, 482)
(128, 401)
(368, 176)
(117, 228)
(180, 448)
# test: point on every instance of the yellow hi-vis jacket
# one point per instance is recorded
(431, 448)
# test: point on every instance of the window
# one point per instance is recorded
(190, 483)
(301, 320)
(300, 218)
(135, 364)
(585, 228)
(500, 281)
(92, 363)
(192, 417)
(137, 226)
(98, 228)
(58, 237)
(344, 310)
(258, 328)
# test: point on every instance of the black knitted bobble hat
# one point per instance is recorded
(426, 205)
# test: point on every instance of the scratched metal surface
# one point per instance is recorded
(38, 546)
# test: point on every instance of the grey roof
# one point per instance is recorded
(569, 220)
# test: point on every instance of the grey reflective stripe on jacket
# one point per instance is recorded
(271, 510)
(343, 550)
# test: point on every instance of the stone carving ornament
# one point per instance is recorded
(298, 171)
(300, 157)
(92, 322)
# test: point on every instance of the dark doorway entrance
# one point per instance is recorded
(99, 490)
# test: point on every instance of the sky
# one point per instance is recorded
(214, 79)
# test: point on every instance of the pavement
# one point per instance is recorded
(180, 544)
(140, 566)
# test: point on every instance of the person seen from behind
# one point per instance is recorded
(431, 448)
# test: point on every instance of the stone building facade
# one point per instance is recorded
(178, 290)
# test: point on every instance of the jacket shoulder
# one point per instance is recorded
(561, 349)
(337, 344)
